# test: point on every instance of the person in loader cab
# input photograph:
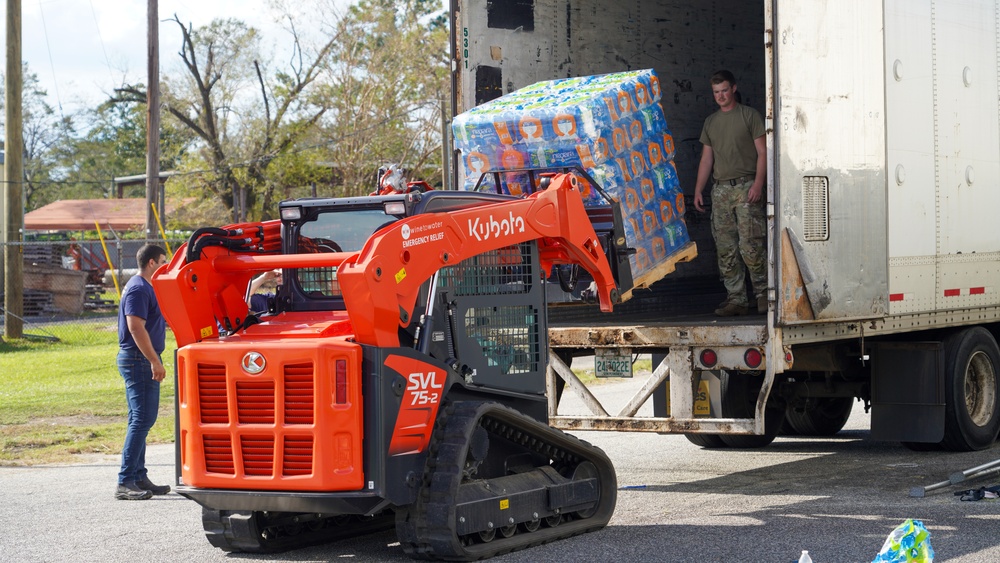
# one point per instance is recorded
(258, 302)
(141, 339)
(734, 153)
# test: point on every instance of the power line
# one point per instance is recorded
(107, 60)
(55, 81)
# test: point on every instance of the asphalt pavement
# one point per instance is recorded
(837, 497)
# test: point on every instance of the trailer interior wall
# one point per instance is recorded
(504, 45)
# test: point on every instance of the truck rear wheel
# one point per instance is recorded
(972, 401)
(824, 416)
(739, 398)
(708, 441)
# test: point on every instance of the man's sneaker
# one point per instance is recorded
(147, 485)
(762, 304)
(131, 491)
(731, 310)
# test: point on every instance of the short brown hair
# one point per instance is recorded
(723, 76)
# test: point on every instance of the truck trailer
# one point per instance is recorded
(883, 179)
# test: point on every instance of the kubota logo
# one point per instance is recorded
(253, 362)
(491, 228)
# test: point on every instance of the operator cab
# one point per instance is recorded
(571, 284)
(344, 225)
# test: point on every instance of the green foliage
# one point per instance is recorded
(64, 398)
(390, 74)
(115, 145)
(44, 134)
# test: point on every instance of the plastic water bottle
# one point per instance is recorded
(804, 558)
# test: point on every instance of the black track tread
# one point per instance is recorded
(221, 533)
(426, 529)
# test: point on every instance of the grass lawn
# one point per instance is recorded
(60, 399)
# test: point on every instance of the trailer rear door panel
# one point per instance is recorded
(830, 160)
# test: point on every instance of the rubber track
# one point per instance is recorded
(238, 531)
(426, 530)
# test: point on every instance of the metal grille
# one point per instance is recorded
(258, 455)
(505, 271)
(255, 402)
(297, 456)
(815, 208)
(319, 282)
(219, 455)
(212, 394)
(299, 394)
(508, 336)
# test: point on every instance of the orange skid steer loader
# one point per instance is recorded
(397, 377)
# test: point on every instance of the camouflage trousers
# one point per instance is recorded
(740, 232)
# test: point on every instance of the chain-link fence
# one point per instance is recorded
(72, 286)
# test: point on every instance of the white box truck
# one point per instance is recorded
(883, 151)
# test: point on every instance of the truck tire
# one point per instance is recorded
(707, 441)
(972, 397)
(739, 397)
(822, 417)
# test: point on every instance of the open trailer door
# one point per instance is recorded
(829, 156)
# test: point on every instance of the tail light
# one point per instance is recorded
(729, 357)
(709, 358)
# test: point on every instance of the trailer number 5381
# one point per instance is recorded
(424, 388)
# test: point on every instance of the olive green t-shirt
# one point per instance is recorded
(731, 135)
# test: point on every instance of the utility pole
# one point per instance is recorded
(152, 116)
(14, 175)
(445, 147)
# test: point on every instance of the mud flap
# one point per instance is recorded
(908, 398)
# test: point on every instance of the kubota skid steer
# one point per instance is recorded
(398, 375)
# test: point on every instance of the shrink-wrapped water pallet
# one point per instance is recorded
(613, 127)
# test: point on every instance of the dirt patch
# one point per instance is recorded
(73, 439)
(71, 420)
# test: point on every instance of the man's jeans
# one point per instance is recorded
(143, 395)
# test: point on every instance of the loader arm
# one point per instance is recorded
(203, 288)
(399, 258)
(197, 296)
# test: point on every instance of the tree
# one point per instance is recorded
(240, 134)
(44, 133)
(115, 145)
(388, 77)
(358, 91)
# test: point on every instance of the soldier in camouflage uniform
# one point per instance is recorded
(734, 154)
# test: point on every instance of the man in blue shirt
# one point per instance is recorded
(141, 335)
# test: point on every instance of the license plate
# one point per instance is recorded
(613, 362)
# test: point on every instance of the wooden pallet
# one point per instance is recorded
(34, 303)
(686, 253)
(92, 298)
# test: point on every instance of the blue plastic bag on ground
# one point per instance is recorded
(910, 542)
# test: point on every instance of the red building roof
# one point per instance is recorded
(81, 215)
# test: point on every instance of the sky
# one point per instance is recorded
(82, 49)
